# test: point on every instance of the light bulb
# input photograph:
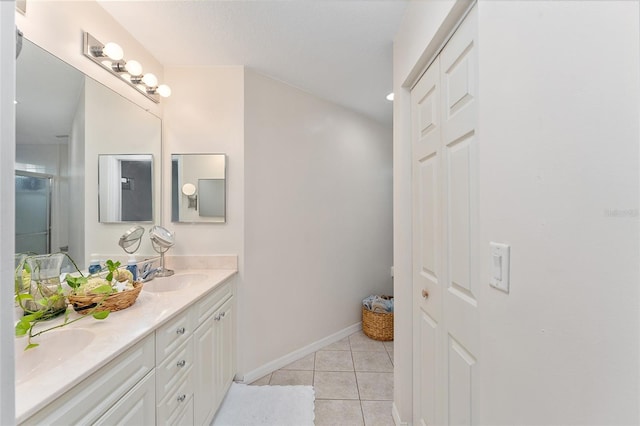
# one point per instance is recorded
(113, 51)
(164, 90)
(390, 96)
(150, 80)
(133, 67)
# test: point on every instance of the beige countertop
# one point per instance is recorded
(68, 355)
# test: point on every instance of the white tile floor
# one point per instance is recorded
(352, 378)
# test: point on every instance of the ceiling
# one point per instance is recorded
(339, 50)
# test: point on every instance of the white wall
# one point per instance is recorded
(317, 219)
(7, 207)
(204, 115)
(559, 161)
(559, 182)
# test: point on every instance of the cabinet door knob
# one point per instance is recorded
(425, 294)
(182, 397)
(217, 317)
(181, 363)
(181, 330)
(223, 314)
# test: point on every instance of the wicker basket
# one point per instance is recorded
(377, 325)
(115, 302)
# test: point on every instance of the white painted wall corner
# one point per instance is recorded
(276, 364)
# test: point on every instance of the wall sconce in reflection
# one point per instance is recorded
(127, 183)
(190, 190)
(110, 56)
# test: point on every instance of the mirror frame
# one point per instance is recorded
(193, 200)
(101, 188)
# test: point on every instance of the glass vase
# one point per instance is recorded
(45, 287)
(21, 278)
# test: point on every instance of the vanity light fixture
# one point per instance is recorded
(110, 56)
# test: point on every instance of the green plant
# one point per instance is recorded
(39, 309)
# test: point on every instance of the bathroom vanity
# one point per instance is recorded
(168, 359)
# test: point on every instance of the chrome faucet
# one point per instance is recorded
(148, 274)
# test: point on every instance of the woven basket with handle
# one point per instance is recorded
(115, 302)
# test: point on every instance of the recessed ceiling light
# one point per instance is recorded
(390, 96)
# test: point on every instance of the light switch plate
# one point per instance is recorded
(499, 266)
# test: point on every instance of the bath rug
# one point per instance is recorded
(247, 405)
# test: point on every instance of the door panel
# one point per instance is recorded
(429, 229)
(460, 301)
(427, 255)
(428, 377)
(460, 373)
(445, 254)
(458, 220)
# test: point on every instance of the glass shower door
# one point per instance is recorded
(33, 213)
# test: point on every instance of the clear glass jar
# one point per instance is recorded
(45, 287)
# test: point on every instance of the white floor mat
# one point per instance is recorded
(266, 405)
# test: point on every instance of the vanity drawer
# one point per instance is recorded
(173, 334)
(212, 301)
(175, 401)
(183, 416)
(174, 369)
(89, 400)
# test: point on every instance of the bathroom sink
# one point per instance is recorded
(56, 347)
(173, 283)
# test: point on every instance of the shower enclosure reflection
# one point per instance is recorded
(33, 213)
(125, 188)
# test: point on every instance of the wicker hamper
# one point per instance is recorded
(377, 325)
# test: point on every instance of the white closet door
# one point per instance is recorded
(427, 246)
(445, 249)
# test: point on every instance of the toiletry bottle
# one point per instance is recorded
(132, 266)
(94, 266)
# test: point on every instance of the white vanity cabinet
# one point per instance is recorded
(123, 391)
(214, 342)
(176, 375)
(195, 358)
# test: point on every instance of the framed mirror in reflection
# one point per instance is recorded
(198, 188)
(125, 183)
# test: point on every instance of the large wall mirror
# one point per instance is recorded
(64, 122)
(198, 188)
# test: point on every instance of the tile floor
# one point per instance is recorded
(352, 378)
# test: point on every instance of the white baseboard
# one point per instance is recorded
(396, 416)
(276, 364)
